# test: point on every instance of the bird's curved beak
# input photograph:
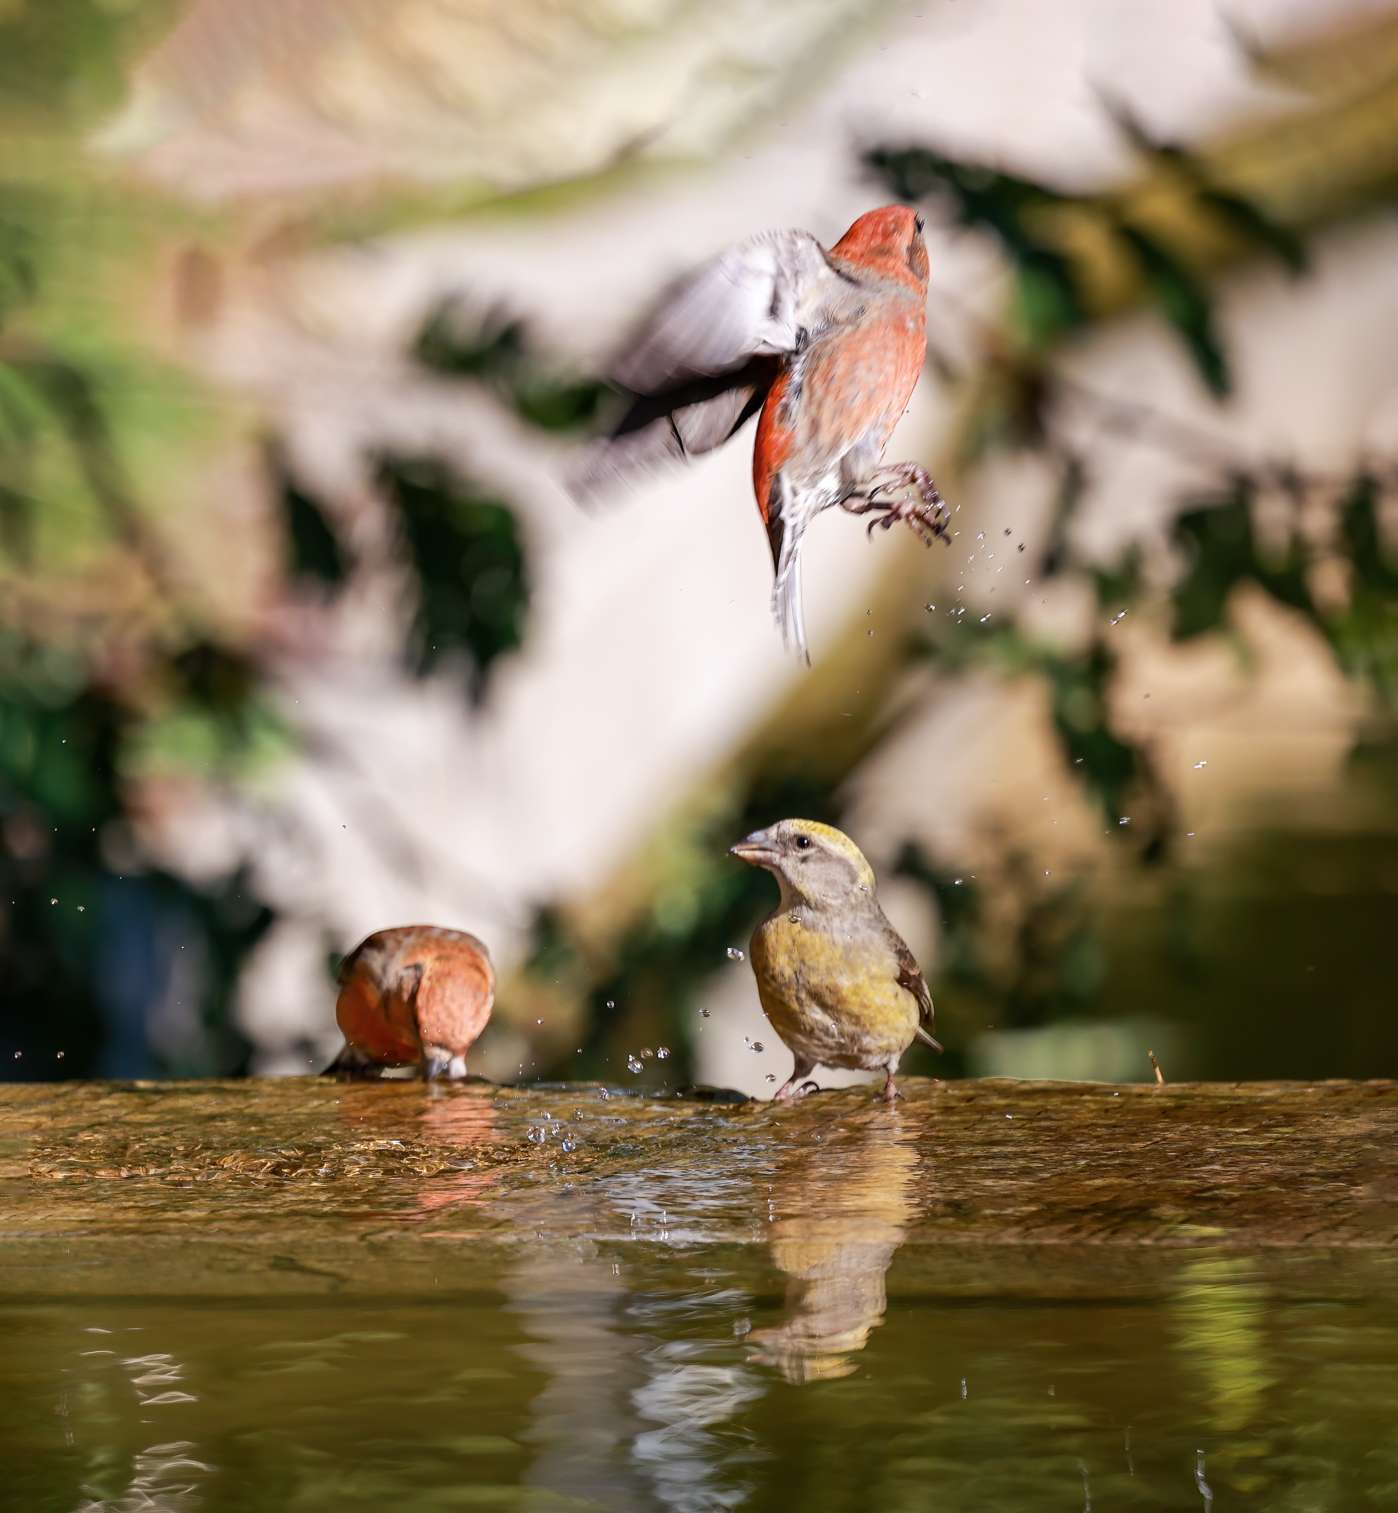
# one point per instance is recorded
(757, 849)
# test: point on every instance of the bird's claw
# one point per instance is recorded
(928, 520)
(923, 510)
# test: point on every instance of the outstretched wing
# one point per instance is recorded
(910, 977)
(751, 300)
(701, 363)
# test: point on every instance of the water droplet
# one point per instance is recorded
(53, 901)
(603, 1093)
(735, 954)
(1198, 765)
(963, 1389)
(984, 618)
(1124, 820)
(662, 1053)
(771, 1076)
(82, 908)
(757, 1046)
(1020, 547)
(929, 608)
(1118, 617)
(611, 1003)
(956, 882)
(60, 1055)
(705, 1013)
(568, 1144)
(535, 1136)
(634, 1064)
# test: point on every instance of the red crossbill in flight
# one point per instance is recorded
(825, 346)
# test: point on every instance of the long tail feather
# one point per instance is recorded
(787, 605)
(928, 1039)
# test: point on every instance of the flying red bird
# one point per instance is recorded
(827, 345)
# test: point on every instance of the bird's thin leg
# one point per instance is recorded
(890, 1091)
(789, 1088)
(913, 497)
(438, 1062)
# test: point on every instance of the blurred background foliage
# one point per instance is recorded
(143, 646)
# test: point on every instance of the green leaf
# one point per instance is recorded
(1374, 565)
(557, 404)
(493, 349)
(1241, 215)
(1078, 690)
(1072, 489)
(468, 554)
(450, 341)
(17, 510)
(1184, 301)
(314, 548)
(1048, 299)
(1223, 552)
(1218, 542)
(1250, 221)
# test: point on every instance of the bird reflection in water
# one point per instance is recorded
(842, 1203)
(452, 1137)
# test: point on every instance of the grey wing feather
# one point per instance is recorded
(751, 300)
(665, 430)
(702, 362)
(910, 977)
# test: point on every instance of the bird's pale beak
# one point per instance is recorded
(757, 849)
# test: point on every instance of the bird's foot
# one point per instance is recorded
(908, 493)
(793, 1087)
(890, 1092)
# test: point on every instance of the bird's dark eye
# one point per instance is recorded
(803, 843)
(919, 222)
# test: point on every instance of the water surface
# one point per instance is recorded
(995, 1296)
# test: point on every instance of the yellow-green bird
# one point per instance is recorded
(836, 980)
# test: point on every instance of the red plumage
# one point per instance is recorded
(828, 345)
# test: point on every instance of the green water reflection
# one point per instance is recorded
(691, 1308)
(644, 1380)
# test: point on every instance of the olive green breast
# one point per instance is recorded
(832, 993)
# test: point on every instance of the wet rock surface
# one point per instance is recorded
(303, 1294)
(306, 1184)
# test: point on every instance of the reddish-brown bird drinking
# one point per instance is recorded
(826, 345)
(416, 995)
